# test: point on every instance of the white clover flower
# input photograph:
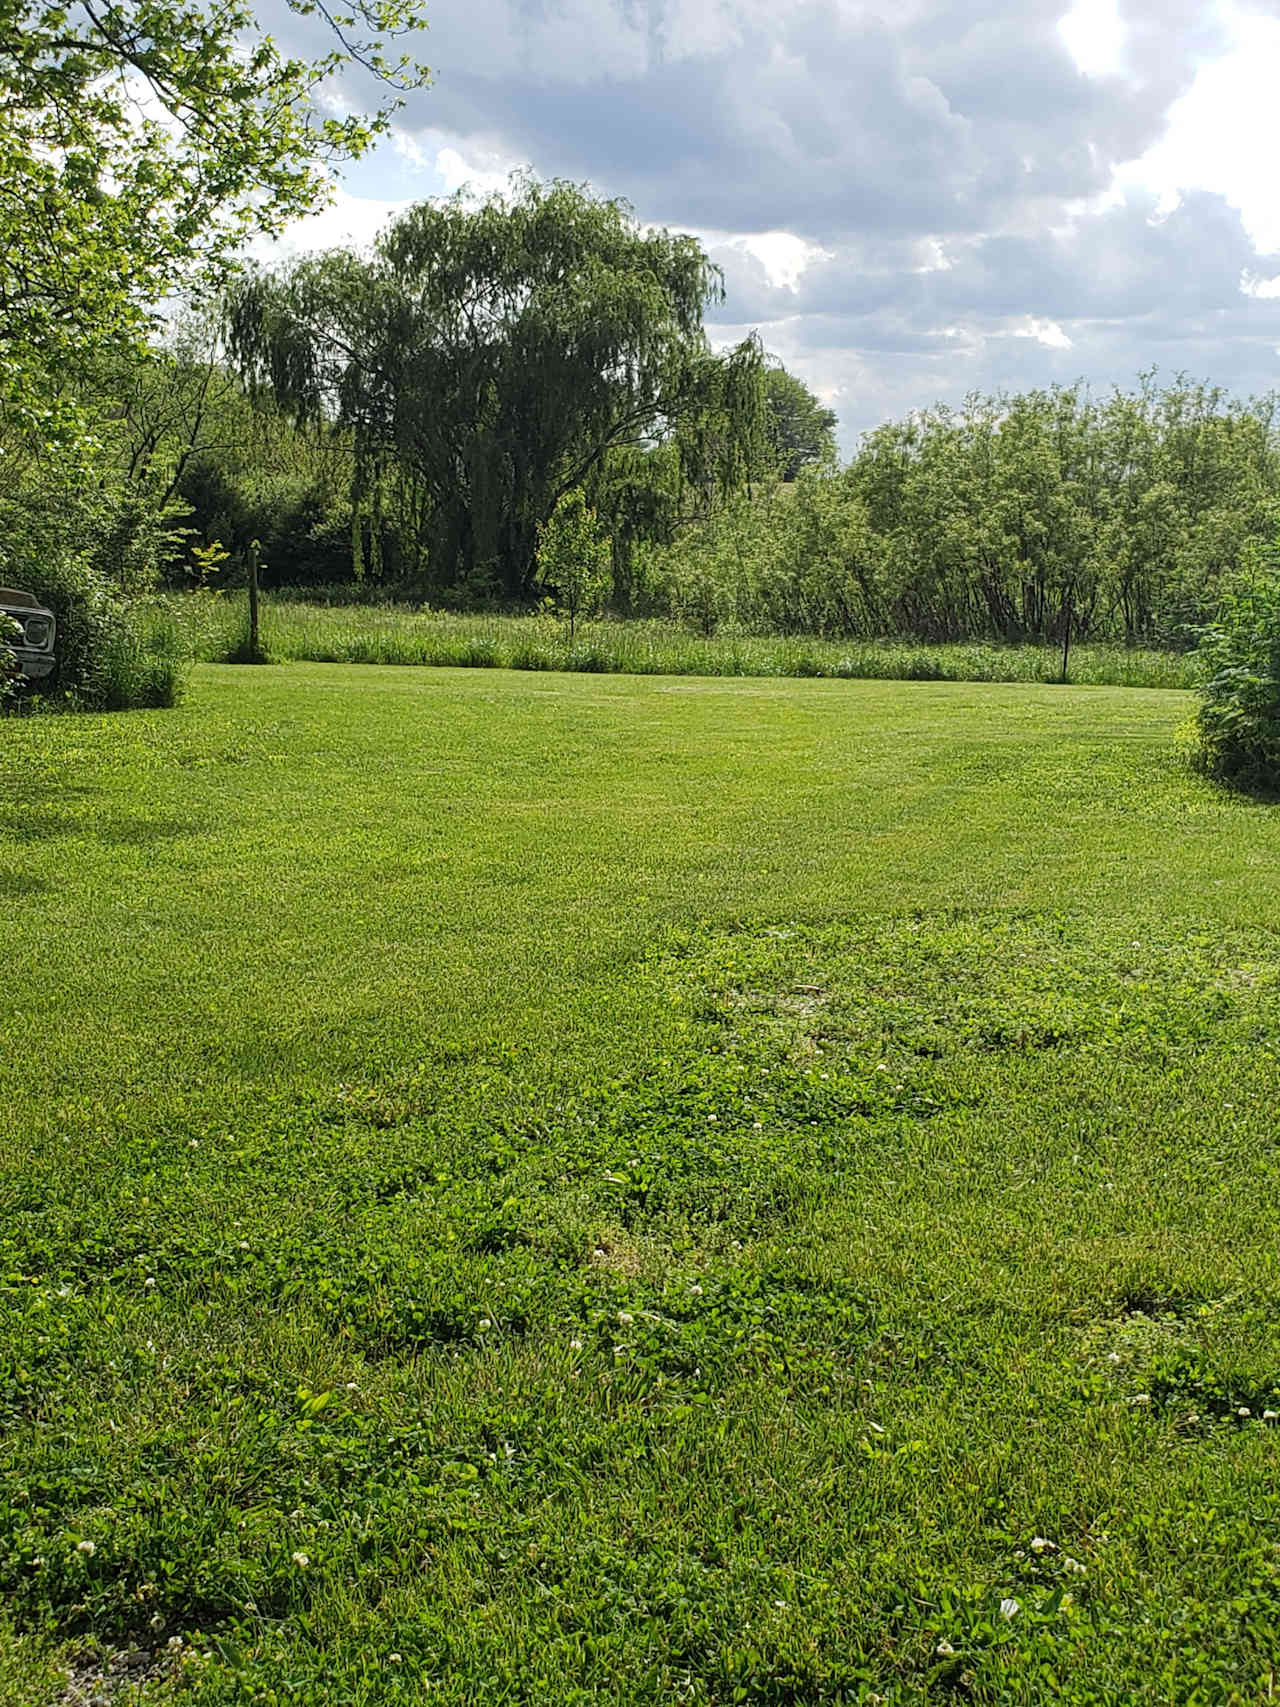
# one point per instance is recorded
(88, 1548)
(696, 1290)
(1140, 1399)
(1041, 1544)
(301, 1561)
(1073, 1567)
(575, 1345)
(175, 1644)
(395, 1658)
(484, 1324)
(1009, 1608)
(626, 1318)
(944, 1648)
(1270, 1416)
(1243, 1411)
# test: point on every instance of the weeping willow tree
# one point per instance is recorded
(487, 358)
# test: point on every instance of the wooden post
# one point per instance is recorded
(255, 651)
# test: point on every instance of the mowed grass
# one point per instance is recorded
(561, 1189)
(296, 628)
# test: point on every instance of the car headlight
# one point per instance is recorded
(37, 629)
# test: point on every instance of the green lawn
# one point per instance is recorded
(559, 1189)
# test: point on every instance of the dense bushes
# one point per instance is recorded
(87, 553)
(1239, 719)
(1004, 519)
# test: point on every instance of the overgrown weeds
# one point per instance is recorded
(295, 629)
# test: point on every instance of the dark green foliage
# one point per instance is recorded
(10, 675)
(799, 430)
(87, 555)
(1239, 717)
(487, 359)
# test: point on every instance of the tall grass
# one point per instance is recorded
(403, 634)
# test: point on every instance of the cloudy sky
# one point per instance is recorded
(910, 199)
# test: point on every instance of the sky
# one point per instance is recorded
(910, 199)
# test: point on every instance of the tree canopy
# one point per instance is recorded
(142, 139)
(486, 358)
(800, 430)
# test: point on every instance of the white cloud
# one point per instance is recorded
(481, 171)
(1094, 33)
(1223, 135)
(784, 257)
(349, 222)
(1046, 332)
(1253, 285)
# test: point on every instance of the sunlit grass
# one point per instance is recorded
(533, 1188)
(401, 634)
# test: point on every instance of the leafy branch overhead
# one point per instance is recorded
(141, 142)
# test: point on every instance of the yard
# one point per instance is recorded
(577, 1188)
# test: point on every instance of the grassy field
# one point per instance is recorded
(292, 628)
(563, 1189)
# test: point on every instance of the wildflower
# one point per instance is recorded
(696, 1290)
(944, 1648)
(1270, 1416)
(1140, 1399)
(575, 1345)
(301, 1561)
(626, 1318)
(149, 1282)
(395, 1658)
(175, 1644)
(1039, 1544)
(88, 1548)
(712, 1118)
(1243, 1411)
(1073, 1567)
(1009, 1608)
(484, 1324)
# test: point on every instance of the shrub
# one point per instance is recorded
(574, 559)
(1239, 720)
(9, 674)
(80, 556)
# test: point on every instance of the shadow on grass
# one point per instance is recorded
(15, 884)
(50, 823)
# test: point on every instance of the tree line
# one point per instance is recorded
(410, 420)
